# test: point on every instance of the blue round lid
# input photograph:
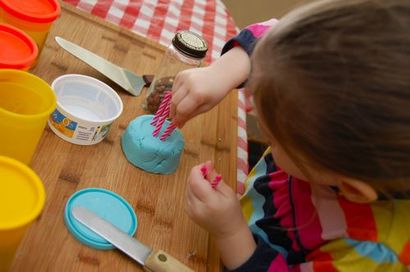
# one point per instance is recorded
(106, 204)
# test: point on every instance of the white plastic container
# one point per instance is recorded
(86, 108)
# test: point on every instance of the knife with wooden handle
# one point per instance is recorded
(152, 260)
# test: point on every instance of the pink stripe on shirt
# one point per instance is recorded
(307, 221)
(259, 30)
(331, 215)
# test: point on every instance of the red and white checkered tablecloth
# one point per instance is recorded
(159, 20)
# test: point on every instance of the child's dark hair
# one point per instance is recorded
(332, 85)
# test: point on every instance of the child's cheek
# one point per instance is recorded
(284, 162)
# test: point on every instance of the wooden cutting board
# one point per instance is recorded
(158, 200)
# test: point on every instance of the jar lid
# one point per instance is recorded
(18, 50)
(37, 11)
(106, 204)
(190, 44)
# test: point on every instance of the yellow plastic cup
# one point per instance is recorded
(26, 101)
(22, 198)
(35, 17)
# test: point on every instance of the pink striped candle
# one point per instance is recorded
(216, 181)
(168, 131)
(204, 171)
(164, 104)
(161, 121)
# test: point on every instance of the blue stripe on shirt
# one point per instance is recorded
(374, 251)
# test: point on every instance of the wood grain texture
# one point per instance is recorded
(158, 200)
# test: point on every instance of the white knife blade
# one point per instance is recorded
(129, 81)
(152, 260)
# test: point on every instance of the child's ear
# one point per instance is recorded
(357, 191)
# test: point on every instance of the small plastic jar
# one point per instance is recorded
(186, 51)
(35, 17)
(18, 50)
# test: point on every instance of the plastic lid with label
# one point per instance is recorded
(18, 50)
(108, 205)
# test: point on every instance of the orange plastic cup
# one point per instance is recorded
(22, 198)
(35, 17)
(18, 50)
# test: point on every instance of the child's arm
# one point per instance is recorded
(198, 90)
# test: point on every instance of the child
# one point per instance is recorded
(331, 85)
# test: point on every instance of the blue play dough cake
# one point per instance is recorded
(150, 153)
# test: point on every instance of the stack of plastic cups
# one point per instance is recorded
(26, 101)
(34, 17)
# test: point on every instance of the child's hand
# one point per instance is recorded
(195, 91)
(198, 90)
(217, 210)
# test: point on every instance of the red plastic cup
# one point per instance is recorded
(18, 50)
(35, 17)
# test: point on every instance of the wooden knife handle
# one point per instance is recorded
(160, 261)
